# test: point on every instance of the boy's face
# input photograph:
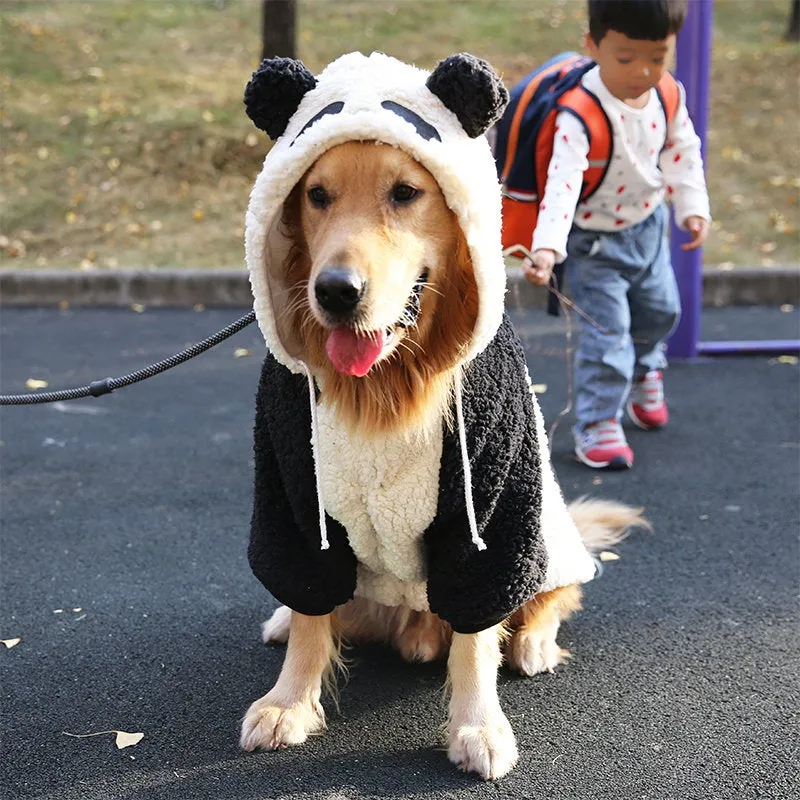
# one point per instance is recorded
(630, 67)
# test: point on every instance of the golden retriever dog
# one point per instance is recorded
(377, 255)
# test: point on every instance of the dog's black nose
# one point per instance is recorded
(338, 290)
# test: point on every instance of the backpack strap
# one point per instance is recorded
(669, 93)
(586, 107)
(561, 67)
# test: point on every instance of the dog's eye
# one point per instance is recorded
(318, 197)
(402, 193)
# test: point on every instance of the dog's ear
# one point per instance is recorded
(471, 89)
(274, 92)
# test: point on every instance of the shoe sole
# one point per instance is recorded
(616, 463)
(637, 422)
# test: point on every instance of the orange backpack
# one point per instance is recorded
(525, 133)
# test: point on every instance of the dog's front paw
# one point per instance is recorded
(268, 726)
(532, 651)
(490, 750)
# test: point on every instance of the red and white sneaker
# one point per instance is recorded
(602, 445)
(646, 406)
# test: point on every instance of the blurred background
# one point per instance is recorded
(125, 143)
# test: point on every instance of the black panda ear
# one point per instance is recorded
(471, 89)
(274, 92)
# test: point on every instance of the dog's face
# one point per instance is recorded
(382, 299)
(377, 230)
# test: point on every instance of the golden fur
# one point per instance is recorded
(391, 246)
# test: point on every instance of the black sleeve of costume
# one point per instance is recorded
(284, 550)
(472, 589)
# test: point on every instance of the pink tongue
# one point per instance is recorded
(352, 354)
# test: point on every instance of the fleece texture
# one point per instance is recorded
(396, 508)
(473, 93)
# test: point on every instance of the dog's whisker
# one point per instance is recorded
(298, 285)
(292, 307)
(405, 347)
(302, 310)
(431, 287)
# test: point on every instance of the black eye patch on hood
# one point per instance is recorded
(333, 108)
(424, 129)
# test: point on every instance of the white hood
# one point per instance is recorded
(360, 98)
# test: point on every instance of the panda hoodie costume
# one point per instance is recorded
(465, 520)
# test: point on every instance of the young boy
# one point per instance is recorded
(618, 267)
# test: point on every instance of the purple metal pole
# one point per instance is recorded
(693, 71)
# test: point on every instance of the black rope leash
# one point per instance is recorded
(108, 385)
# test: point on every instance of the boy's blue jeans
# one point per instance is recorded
(625, 283)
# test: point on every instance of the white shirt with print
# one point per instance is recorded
(649, 162)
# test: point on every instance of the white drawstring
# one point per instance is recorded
(462, 436)
(312, 399)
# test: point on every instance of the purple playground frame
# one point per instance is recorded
(693, 71)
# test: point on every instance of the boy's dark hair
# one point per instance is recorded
(637, 19)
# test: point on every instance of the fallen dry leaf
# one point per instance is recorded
(607, 555)
(137, 307)
(787, 308)
(242, 352)
(9, 643)
(35, 383)
(787, 359)
(123, 738)
(539, 388)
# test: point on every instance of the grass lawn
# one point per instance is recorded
(125, 144)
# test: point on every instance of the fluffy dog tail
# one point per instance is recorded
(604, 523)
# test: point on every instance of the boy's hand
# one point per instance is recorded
(539, 269)
(698, 230)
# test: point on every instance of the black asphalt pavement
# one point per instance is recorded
(124, 574)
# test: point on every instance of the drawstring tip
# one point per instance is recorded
(479, 543)
(324, 545)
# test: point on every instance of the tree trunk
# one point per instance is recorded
(793, 29)
(278, 28)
